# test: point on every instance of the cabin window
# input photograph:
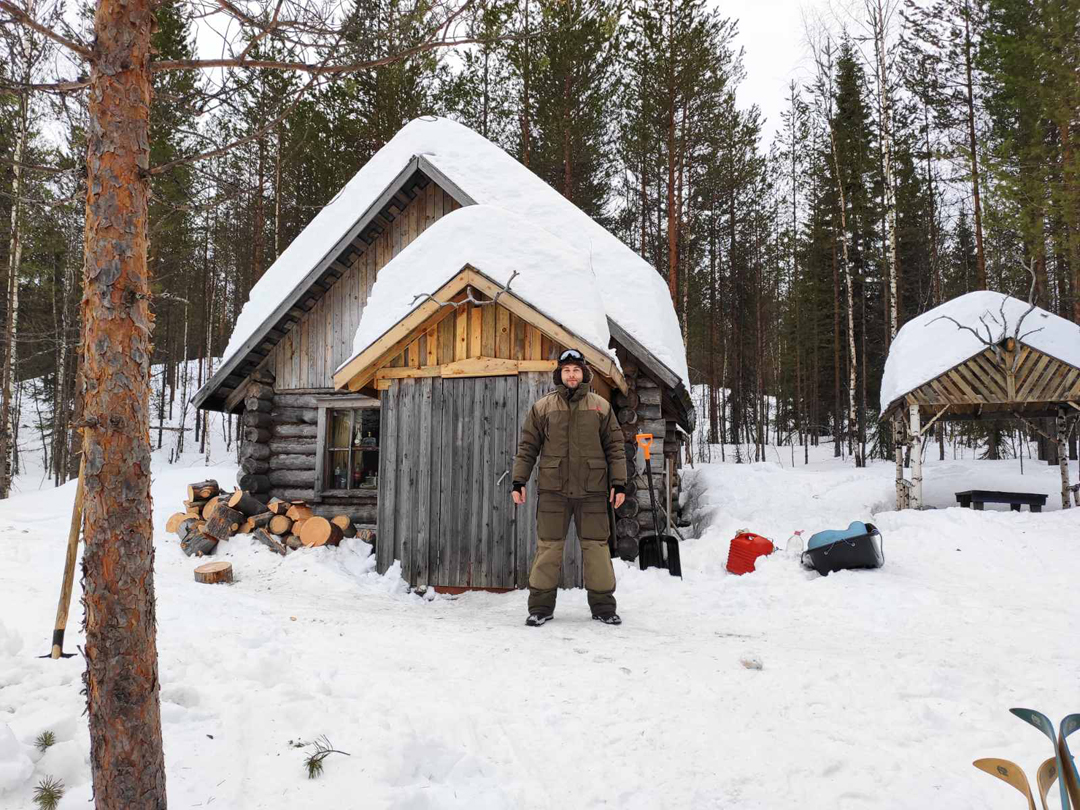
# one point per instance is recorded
(348, 447)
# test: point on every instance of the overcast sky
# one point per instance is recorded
(772, 34)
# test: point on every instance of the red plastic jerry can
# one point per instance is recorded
(745, 548)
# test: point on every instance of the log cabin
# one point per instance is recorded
(383, 364)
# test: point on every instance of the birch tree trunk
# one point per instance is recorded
(878, 12)
(8, 377)
(126, 758)
(980, 256)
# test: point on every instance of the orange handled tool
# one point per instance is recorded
(644, 441)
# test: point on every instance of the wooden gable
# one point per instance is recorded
(440, 340)
(1024, 380)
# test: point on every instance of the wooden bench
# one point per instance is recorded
(975, 498)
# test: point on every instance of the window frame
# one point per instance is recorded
(352, 403)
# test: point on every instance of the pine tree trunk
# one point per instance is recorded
(126, 758)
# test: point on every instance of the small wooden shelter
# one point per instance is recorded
(383, 365)
(983, 355)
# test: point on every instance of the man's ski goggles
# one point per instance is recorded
(571, 354)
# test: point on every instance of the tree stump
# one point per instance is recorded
(224, 523)
(214, 572)
(344, 523)
(280, 524)
(270, 541)
(318, 531)
(202, 490)
(246, 503)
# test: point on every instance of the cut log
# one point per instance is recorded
(296, 416)
(648, 395)
(199, 544)
(287, 400)
(290, 494)
(246, 527)
(174, 521)
(628, 509)
(263, 375)
(319, 531)
(252, 482)
(256, 435)
(224, 523)
(270, 541)
(213, 573)
(630, 485)
(298, 526)
(197, 503)
(646, 411)
(357, 513)
(295, 462)
(293, 542)
(189, 526)
(211, 505)
(292, 478)
(256, 405)
(260, 391)
(300, 511)
(255, 466)
(344, 523)
(257, 420)
(628, 400)
(278, 506)
(291, 431)
(627, 527)
(628, 417)
(246, 503)
(260, 452)
(194, 513)
(279, 525)
(367, 535)
(301, 447)
(203, 490)
(627, 548)
(262, 520)
(630, 369)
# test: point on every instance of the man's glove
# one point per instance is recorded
(517, 486)
(619, 489)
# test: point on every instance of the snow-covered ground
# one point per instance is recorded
(878, 688)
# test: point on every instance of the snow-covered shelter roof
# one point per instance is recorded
(552, 276)
(474, 171)
(935, 342)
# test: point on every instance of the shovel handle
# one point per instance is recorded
(644, 441)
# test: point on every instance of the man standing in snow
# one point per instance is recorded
(582, 467)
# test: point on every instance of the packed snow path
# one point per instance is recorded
(878, 688)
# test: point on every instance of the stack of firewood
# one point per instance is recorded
(212, 516)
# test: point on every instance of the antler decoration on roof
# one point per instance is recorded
(989, 341)
(468, 299)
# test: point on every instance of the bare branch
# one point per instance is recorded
(24, 18)
(1031, 299)
(964, 327)
(262, 34)
(304, 67)
(468, 299)
(54, 87)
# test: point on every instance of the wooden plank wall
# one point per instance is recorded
(444, 503)
(308, 355)
(472, 331)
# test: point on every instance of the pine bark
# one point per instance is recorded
(126, 758)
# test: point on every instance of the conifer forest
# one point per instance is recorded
(925, 150)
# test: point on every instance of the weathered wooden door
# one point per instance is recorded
(447, 449)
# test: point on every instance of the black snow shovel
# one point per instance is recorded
(656, 550)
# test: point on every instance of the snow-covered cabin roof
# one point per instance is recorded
(931, 344)
(553, 277)
(471, 167)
